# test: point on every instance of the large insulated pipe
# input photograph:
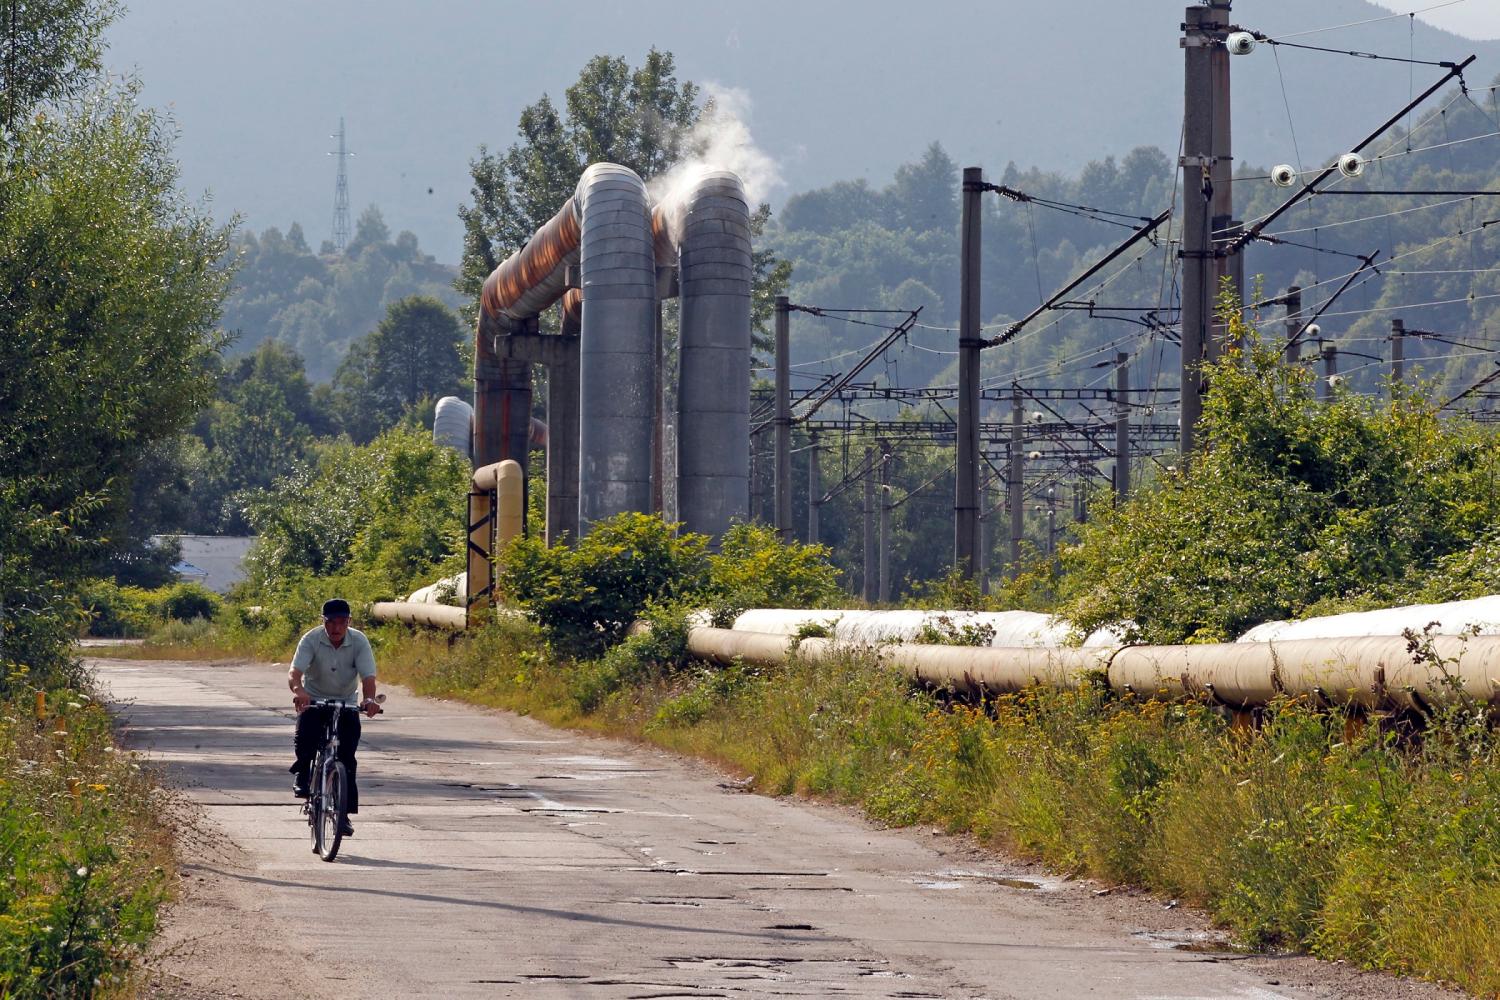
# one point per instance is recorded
(861, 626)
(710, 224)
(605, 228)
(510, 503)
(617, 272)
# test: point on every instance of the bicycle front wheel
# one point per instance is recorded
(331, 815)
(312, 806)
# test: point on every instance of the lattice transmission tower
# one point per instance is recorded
(341, 194)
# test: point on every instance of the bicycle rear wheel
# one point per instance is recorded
(332, 811)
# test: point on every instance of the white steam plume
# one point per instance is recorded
(719, 141)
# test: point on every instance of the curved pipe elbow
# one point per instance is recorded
(531, 279)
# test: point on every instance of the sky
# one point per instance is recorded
(1479, 19)
(837, 89)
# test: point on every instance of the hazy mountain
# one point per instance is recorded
(840, 90)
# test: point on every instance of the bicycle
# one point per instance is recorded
(326, 805)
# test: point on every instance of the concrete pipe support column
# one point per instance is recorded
(618, 276)
(713, 407)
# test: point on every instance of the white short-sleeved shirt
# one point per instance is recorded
(334, 673)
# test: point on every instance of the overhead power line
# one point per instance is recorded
(1253, 232)
(1142, 233)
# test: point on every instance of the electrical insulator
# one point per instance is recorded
(1240, 43)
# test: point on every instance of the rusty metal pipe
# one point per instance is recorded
(663, 240)
(532, 278)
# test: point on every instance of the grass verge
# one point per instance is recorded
(1367, 844)
(85, 861)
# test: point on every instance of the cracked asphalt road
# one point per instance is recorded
(495, 856)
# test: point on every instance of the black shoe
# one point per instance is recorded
(346, 828)
(299, 789)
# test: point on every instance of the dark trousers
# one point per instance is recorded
(309, 740)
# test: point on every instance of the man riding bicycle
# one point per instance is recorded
(333, 661)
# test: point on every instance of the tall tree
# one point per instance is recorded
(109, 291)
(925, 194)
(51, 51)
(416, 353)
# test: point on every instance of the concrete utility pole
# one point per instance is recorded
(814, 489)
(869, 526)
(1122, 426)
(966, 479)
(757, 488)
(783, 419)
(1330, 371)
(1016, 500)
(982, 557)
(1293, 300)
(1051, 522)
(1398, 352)
(885, 523)
(1206, 197)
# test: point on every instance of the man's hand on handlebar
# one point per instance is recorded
(300, 700)
(370, 707)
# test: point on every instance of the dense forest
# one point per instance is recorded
(318, 304)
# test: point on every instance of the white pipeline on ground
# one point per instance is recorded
(1478, 616)
(420, 613)
(1003, 628)
(1372, 672)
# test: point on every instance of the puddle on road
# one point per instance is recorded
(958, 878)
(1208, 942)
(829, 972)
(602, 763)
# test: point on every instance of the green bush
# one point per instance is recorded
(586, 596)
(176, 632)
(1293, 503)
(755, 569)
(116, 612)
(391, 511)
(366, 523)
(185, 601)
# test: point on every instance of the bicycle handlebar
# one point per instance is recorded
(345, 706)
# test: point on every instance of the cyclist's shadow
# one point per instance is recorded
(419, 866)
